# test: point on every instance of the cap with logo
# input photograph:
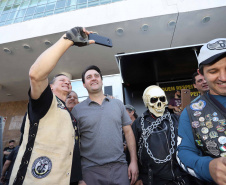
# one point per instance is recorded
(212, 51)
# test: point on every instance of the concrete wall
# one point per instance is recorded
(14, 111)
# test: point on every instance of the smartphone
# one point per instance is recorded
(104, 41)
(185, 97)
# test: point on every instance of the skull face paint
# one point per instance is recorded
(155, 99)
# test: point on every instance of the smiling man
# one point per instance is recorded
(101, 120)
(202, 132)
(49, 153)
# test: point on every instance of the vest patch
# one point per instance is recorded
(41, 167)
(198, 106)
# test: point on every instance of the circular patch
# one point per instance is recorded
(209, 117)
(220, 128)
(41, 167)
(213, 134)
(209, 124)
(223, 154)
(205, 137)
(222, 122)
(197, 113)
(204, 130)
(214, 114)
(195, 124)
(201, 119)
(222, 140)
(215, 119)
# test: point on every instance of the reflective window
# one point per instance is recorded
(14, 11)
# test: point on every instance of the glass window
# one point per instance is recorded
(18, 20)
(60, 4)
(105, 1)
(1, 9)
(17, 1)
(15, 7)
(59, 11)
(24, 4)
(42, 2)
(33, 3)
(38, 15)
(3, 17)
(10, 2)
(71, 2)
(30, 11)
(48, 13)
(28, 17)
(7, 9)
(51, 1)
(82, 1)
(12, 15)
(67, 9)
(94, 3)
(50, 6)
(21, 13)
(2, 23)
(3, 3)
(9, 22)
(79, 6)
(40, 9)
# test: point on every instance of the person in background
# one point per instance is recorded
(132, 112)
(8, 166)
(8, 150)
(175, 102)
(71, 100)
(200, 84)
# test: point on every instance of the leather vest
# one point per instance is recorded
(209, 126)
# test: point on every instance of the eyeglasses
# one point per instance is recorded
(162, 99)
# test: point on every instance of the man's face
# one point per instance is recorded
(11, 145)
(215, 76)
(93, 82)
(200, 84)
(130, 113)
(178, 94)
(72, 100)
(61, 84)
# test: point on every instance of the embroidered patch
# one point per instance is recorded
(41, 167)
(198, 106)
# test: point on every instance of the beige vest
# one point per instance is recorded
(54, 140)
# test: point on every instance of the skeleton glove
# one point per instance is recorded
(77, 36)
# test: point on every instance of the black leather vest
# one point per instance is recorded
(208, 123)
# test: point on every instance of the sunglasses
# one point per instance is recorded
(162, 99)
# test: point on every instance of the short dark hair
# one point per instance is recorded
(54, 78)
(92, 67)
(193, 77)
(12, 141)
(134, 114)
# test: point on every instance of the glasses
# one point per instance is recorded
(162, 99)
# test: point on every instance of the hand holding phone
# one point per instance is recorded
(104, 41)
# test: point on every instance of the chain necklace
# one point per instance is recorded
(148, 131)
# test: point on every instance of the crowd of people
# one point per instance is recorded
(100, 141)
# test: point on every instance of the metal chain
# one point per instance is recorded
(148, 131)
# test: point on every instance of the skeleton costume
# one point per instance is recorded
(155, 134)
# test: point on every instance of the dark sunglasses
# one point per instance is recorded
(162, 99)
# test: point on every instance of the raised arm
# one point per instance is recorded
(46, 62)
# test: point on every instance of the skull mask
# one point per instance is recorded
(155, 99)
